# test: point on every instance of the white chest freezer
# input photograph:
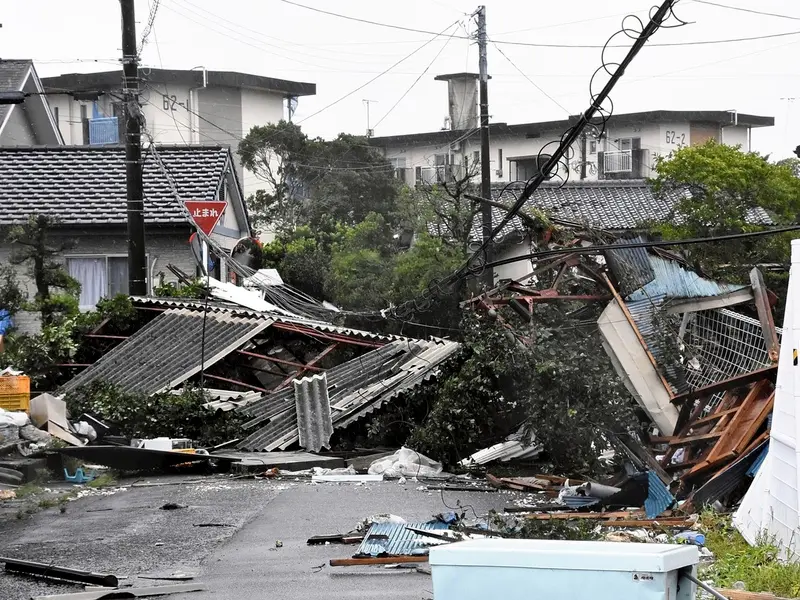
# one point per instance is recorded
(548, 569)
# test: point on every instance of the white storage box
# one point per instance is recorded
(551, 569)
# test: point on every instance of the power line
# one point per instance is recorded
(417, 80)
(748, 10)
(150, 22)
(542, 45)
(361, 87)
(521, 72)
(600, 248)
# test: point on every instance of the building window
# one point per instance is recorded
(84, 112)
(593, 147)
(499, 171)
(100, 276)
(398, 167)
(55, 114)
(530, 167)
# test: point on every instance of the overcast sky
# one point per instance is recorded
(274, 38)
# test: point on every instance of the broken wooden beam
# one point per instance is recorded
(727, 384)
(377, 560)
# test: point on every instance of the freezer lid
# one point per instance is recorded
(557, 554)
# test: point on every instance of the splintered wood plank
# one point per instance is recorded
(714, 417)
(759, 418)
(739, 427)
(694, 439)
(737, 431)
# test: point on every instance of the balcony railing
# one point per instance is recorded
(104, 130)
(439, 174)
(618, 162)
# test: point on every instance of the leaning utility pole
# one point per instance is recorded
(486, 174)
(137, 259)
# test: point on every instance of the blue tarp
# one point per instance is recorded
(5, 321)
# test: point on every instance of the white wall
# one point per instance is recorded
(167, 119)
(515, 270)
(735, 136)
(258, 108)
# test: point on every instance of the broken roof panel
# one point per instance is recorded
(169, 349)
(314, 424)
(674, 281)
(355, 388)
(631, 267)
(398, 539)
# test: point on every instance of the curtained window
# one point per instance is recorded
(99, 276)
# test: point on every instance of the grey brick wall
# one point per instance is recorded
(162, 249)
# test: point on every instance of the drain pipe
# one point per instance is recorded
(194, 107)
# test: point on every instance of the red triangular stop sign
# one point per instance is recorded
(205, 214)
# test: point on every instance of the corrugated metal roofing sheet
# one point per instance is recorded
(630, 266)
(314, 425)
(169, 349)
(675, 281)
(658, 498)
(356, 388)
(395, 539)
(751, 472)
(224, 307)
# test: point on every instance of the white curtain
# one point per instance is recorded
(91, 274)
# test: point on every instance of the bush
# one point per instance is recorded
(12, 297)
(166, 414)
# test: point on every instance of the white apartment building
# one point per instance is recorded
(627, 148)
(196, 106)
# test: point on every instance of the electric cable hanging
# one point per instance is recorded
(543, 45)
(475, 266)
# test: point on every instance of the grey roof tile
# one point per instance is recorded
(85, 185)
(12, 77)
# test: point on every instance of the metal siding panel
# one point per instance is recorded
(314, 424)
(401, 541)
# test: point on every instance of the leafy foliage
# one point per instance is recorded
(302, 258)
(31, 244)
(758, 567)
(194, 289)
(12, 296)
(64, 341)
(161, 415)
(729, 191)
(559, 383)
(313, 181)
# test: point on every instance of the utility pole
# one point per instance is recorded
(137, 259)
(367, 103)
(486, 174)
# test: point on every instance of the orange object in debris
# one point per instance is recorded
(15, 392)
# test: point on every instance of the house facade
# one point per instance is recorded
(84, 188)
(179, 107)
(626, 149)
(31, 121)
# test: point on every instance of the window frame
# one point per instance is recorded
(105, 258)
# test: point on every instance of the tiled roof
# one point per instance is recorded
(12, 77)
(613, 205)
(610, 205)
(169, 350)
(85, 185)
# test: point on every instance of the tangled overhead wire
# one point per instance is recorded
(554, 158)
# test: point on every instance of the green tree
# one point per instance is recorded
(314, 181)
(56, 292)
(728, 191)
(362, 263)
(302, 259)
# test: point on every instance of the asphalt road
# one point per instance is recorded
(129, 535)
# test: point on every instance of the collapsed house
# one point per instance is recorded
(297, 379)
